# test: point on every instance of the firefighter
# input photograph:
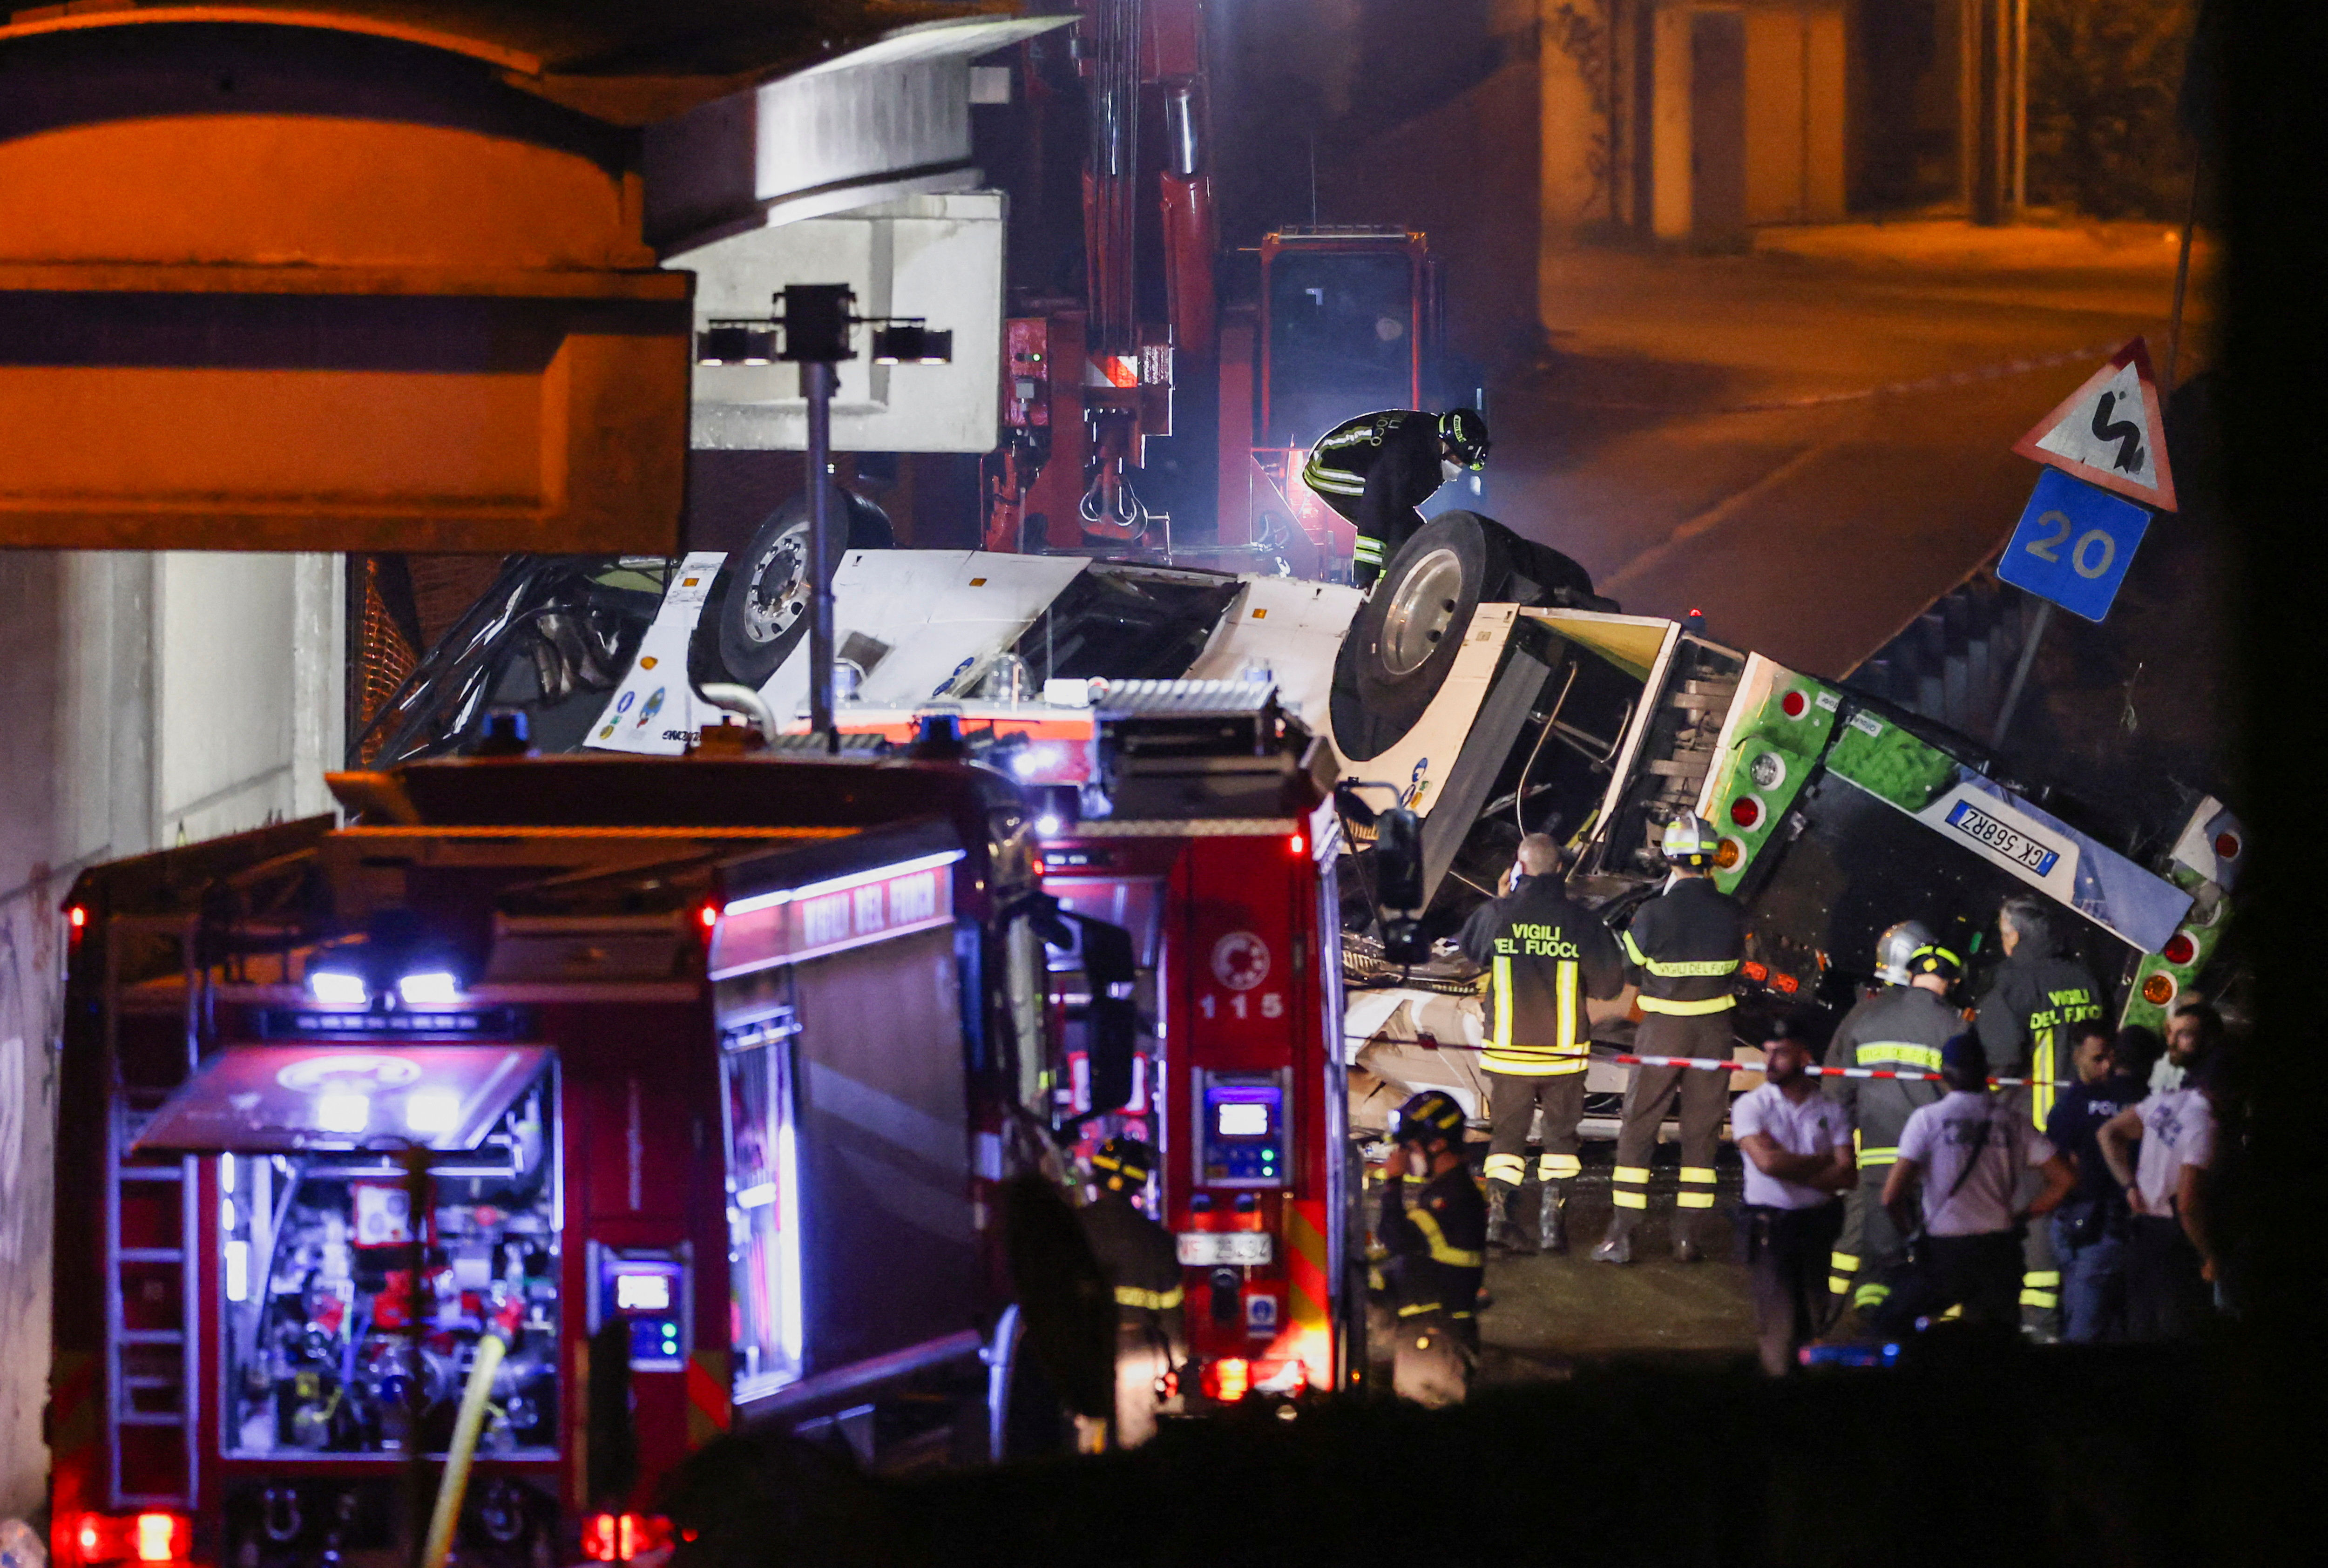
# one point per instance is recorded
(1139, 1258)
(1377, 468)
(1437, 1237)
(1902, 1030)
(1686, 944)
(1892, 950)
(2027, 1022)
(1544, 956)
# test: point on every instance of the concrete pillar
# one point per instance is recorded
(1576, 171)
(1826, 67)
(1672, 203)
(146, 695)
(1997, 67)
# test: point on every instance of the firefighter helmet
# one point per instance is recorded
(1123, 1163)
(1896, 946)
(1431, 1115)
(1933, 959)
(1690, 840)
(1465, 431)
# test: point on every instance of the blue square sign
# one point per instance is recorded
(2073, 545)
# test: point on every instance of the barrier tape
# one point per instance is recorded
(1727, 1064)
(1717, 1063)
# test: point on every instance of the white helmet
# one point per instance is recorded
(1691, 840)
(1896, 946)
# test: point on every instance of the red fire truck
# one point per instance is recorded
(592, 1107)
(1217, 854)
(710, 1066)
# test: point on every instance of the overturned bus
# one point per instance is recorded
(1482, 685)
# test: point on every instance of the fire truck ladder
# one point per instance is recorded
(151, 1355)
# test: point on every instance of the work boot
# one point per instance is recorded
(1503, 1231)
(1617, 1245)
(1685, 1249)
(1552, 1221)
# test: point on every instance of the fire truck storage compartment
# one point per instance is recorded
(851, 1236)
(1135, 906)
(325, 1334)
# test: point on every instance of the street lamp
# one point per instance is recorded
(814, 320)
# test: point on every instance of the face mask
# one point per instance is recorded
(1449, 469)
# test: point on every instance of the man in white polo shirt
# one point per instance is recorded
(1966, 1153)
(1798, 1147)
(2171, 1257)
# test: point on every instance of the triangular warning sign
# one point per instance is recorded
(2109, 432)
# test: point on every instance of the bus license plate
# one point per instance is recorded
(1205, 1249)
(2002, 836)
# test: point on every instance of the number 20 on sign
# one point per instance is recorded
(2074, 545)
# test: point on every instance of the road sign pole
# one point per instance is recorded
(2020, 673)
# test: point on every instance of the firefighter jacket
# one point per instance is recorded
(1544, 954)
(1900, 1029)
(1437, 1236)
(1686, 943)
(1138, 1257)
(2028, 1018)
(1376, 470)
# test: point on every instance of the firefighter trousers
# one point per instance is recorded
(1431, 1364)
(1704, 1096)
(2040, 1270)
(1870, 1244)
(1513, 1100)
(2040, 1267)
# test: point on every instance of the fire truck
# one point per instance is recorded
(1152, 412)
(1217, 852)
(557, 1114)
(688, 1083)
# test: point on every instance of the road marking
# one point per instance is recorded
(1720, 511)
(1817, 399)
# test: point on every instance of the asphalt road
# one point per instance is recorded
(1548, 1313)
(1645, 444)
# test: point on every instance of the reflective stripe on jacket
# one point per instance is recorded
(1374, 470)
(1902, 1028)
(2027, 1021)
(1439, 1234)
(1686, 944)
(1544, 953)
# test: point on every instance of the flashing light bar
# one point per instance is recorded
(338, 988)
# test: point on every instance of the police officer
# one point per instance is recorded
(1892, 950)
(1902, 1030)
(1544, 956)
(1142, 1263)
(1377, 468)
(2028, 1022)
(1685, 945)
(1434, 1226)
